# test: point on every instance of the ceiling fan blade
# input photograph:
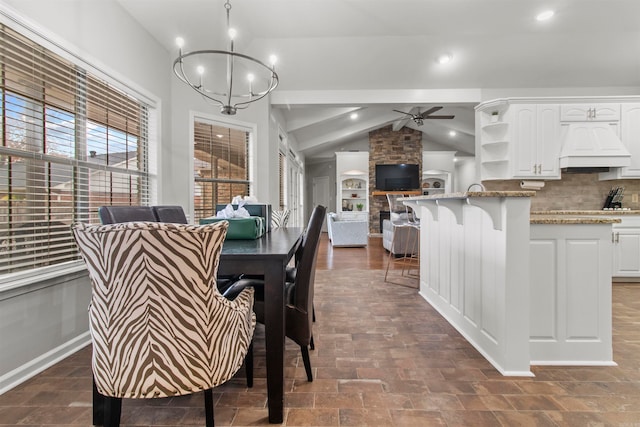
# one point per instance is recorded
(439, 117)
(398, 111)
(430, 110)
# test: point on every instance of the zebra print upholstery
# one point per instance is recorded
(159, 326)
(280, 218)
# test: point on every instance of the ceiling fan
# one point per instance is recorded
(420, 117)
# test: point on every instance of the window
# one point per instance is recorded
(220, 165)
(70, 143)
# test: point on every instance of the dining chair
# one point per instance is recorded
(280, 218)
(159, 327)
(118, 214)
(298, 294)
(173, 214)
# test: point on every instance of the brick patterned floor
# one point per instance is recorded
(383, 357)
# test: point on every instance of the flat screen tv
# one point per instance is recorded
(397, 177)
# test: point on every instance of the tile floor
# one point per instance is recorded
(383, 357)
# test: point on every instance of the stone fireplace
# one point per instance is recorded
(387, 146)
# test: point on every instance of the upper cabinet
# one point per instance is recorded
(535, 145)
(630, 137)
(521, 138)
(521, 143)
(590, 112)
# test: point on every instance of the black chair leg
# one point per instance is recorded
(313, 313)
(98, 405)
(248, 365)
(312, 344)
(208, 407)
(307, 362)
(112, 411)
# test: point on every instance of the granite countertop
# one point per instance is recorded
(588, 212)
(467, 194)
(571, 219)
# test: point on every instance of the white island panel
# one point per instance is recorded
(475, 271)
(571, 303)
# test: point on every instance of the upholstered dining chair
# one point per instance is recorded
(170, 213)
(280, 218)
(159, 326)
(298, 294)
(117, 214)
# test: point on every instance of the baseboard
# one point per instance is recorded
(34, 367)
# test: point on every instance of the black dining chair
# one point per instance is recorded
(298, 294)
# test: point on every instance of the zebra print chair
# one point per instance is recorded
(280, 218)
(159, 326)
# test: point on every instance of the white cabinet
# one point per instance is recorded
(590, 112)
(626, 247)
(524, 142)
(535, 140)
(630, 137)
(352, 189)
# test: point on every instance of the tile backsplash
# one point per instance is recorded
(574, 191)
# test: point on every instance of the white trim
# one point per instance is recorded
(20, 279)
(34, 367)
(252, 128)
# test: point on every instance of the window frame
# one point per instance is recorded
(250, 128)
(67, 51)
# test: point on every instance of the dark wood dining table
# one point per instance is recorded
(268, 256)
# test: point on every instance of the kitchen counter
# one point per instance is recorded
(570, 219)
(588, 212)
(468, 194)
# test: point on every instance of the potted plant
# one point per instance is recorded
(359, 206)
(494, 116)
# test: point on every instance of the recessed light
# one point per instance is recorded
(452, 133)
(547, 14)
(445, 58)
(455, 159)
(354, 116)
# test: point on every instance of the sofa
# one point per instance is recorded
(404, 235)
(345, 232)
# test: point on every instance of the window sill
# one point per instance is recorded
(11, 283)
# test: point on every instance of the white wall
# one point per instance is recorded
(465, 174)
(43, 322)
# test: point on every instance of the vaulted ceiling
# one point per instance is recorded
(384, 52)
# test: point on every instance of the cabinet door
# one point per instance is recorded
(589, 112)
(626, 252)
(630, 136)
(548, 140)
(524, 159)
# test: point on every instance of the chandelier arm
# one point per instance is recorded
(261, 94)
(183, 77)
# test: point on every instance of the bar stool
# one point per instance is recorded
(403, 222)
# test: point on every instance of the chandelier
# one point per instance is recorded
(212, 73)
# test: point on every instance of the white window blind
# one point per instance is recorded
(70, 143)
(221, 167)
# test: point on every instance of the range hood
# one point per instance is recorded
(592, 145)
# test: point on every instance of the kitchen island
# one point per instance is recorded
(506, 282)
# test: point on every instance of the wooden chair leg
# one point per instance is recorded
(112, 411)
(307, 362)
(208, 407)
(98, 405)
(248, 365)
